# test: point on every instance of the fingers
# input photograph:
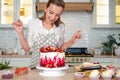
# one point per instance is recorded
(78, 35)
(18, 23)
(78, 31)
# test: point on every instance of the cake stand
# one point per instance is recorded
(52, 71)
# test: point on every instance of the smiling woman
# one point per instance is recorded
(47, 30)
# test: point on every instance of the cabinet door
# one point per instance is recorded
(107, 61)
(106, 14)
(12, 10)
(117, 12)
(25, 10)
(6, 11)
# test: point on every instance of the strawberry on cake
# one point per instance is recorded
(52, 57)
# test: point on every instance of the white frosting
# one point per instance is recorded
(87, 64)
(52, 59)
(52, 55)
(94, 74)
(118, 73)
(107, 73)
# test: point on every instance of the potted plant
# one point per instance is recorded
(117, 50)
(108, 47)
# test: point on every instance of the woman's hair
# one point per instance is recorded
(59, 3)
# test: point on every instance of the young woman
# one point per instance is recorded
(45, 31)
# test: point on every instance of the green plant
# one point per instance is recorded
(119, 39)
(109, 45)
(5, 65)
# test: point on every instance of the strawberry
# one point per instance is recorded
(57, 50)
(55, 65)
(22, 70)
(47, 65)
(42, 49)
(61, 51)
(48, 48)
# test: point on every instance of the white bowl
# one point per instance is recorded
(79, 74)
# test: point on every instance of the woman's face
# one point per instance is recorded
(53, 12)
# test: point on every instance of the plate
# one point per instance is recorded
(91, 67)
(52, 71)
(59, 68)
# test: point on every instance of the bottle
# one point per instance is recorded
(0, 51)
(15, 47)
(22, 51)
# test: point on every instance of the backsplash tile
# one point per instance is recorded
(77, 20)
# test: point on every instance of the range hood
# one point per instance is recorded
(74, 6)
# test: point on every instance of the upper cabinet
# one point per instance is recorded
(6, 11)
(117, 11)
(86, 6)
(12, 10)
(106, 14)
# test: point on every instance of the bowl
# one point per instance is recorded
(79, 74)
(7, 75)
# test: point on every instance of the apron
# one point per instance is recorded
(42, 41)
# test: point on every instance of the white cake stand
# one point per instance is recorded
(52, 71)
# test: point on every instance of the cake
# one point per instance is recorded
(118, 75)
(89, 64)
(111, 67)
(107, 75)
(94, 75)
(52, 57)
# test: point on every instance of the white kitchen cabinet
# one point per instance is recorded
(106, 14)
(12, 10)
(106, 61)
(17, 62)
(119, 61)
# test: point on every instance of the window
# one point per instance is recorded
(12, 10)
(6, 12)
(25, 10)
(117, 9)
(102, 12)
(106, 14)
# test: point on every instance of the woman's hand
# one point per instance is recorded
(18, 26)
(76, 36)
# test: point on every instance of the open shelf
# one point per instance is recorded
(75, 6)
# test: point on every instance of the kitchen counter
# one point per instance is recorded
(29, 56)
(24, 60)
(15, 56)
(34, 75)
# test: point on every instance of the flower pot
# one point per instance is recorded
(117, 51)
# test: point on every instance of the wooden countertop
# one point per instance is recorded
(15, 56)
(34, 75)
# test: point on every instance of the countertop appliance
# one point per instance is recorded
(77, 55)
(78, 51)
